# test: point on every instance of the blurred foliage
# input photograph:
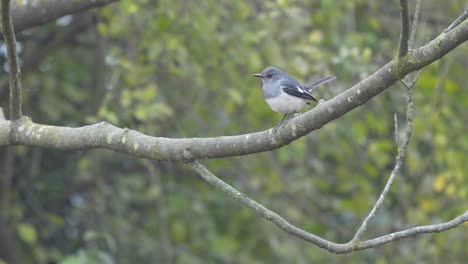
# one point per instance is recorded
(183, 69)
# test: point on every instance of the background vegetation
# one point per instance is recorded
(183, 69)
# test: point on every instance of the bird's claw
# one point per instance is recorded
(283, 121)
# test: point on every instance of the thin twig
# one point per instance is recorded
(400, 157)
(415, 23)
(407, 79)
(252, 204)
(10, 41)
(458, 21)
(309, 237)
(397, 134)
(405, 25)
(411, 83)
(379, 202)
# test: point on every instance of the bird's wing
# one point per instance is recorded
(297, 91)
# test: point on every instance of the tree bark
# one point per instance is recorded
(36, 13)
(105, 135)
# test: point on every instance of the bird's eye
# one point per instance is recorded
(269, 75)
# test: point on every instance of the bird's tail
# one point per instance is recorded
(313, 85)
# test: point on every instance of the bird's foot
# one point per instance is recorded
(279, 125)
(283, 121)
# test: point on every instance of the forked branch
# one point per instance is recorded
(399, 162)
(355, 243)
(309, 237)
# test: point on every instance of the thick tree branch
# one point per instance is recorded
(104, 135)
(302, 234)
(15, 81)
(405, 28)
(35, 13)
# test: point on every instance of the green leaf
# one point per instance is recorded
(27, 233)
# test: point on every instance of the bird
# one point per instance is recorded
(286, 95)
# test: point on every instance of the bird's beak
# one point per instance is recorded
(258, 75)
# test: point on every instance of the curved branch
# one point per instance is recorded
(104, 135)
(36, 13)
(316, 240)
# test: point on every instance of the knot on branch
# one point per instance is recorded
(16, 127)
(188, 157)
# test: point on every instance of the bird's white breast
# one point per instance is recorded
(286, 103)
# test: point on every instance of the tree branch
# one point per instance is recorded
(104, 135)
(35, 13)
(457, 21)
(405, 27)
(304, 235)
(14, 72)
(21, 130)
(415, 23)
(399, 162)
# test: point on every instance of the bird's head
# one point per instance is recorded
(270, 75)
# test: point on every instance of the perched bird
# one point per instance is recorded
(284, 94)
